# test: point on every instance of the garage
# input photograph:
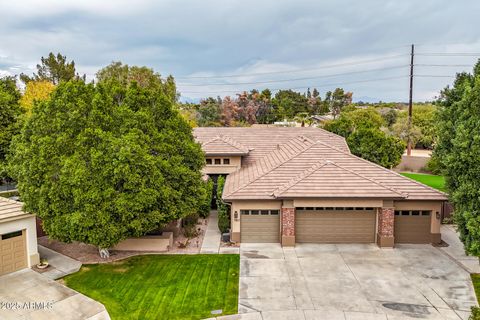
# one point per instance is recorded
(13, 249)
(412, 226)
(335, 225)
(18, 237)
(262, 226)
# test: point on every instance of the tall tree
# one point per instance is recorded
(209, 112)
(336, 100)
(458, 150)
(98, 170)
(10, 112)
(124, 75)
(53, 68)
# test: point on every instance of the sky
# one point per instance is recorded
(225, 46)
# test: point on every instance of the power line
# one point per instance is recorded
(293, 79)
(449, 54)
(297, 70)
(442, 65)
(432, 76)
(305, 87)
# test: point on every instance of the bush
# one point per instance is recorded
(433, 166)
(204, 209)
(475, 314)
(223, 209)
(190, 231)
(190, 220)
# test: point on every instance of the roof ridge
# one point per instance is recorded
(230, 141)
(255, 178)
(304, 174)
(383, 168)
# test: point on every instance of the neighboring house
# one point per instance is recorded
(18, 237)
(292, 185)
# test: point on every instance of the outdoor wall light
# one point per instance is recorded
(437, 215)
(235, 215)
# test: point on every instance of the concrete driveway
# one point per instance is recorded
(322, 281)
(28, 295)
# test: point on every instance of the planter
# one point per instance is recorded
(42, 265)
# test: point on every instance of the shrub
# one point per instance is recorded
(433, 166)
(190, 220)
(223, 209)
(204, 209)
(475, 314)
(190, 231)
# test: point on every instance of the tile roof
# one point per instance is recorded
(11, 210)
(224, 145)
(310, 163)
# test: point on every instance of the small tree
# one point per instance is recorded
(223, 209)
(54, 69)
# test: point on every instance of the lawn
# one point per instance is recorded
(437, 182)
(162, 286)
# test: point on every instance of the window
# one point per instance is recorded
(218, 161)
(264, 212)
(226, 161)
(415, 213)
(259, 212)
(397, 213)
(254, 212)
(11, 235)
(209, 161)
(274, 212)
(425, 213)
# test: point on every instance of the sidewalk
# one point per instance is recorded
(455, 250)
(211, 241)
(59, 264)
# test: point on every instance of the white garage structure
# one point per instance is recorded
(18, 237)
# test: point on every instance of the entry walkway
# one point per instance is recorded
(211, 241)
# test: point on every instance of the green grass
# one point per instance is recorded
(476, 284)
(162, 286)
(437, 182)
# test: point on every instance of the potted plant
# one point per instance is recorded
(43, 264)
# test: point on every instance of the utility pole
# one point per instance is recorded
(410, 102)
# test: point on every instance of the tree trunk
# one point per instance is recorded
(104, 254)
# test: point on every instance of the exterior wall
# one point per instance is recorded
(235, 163)
(412, 163)
(29, 225)
(434, 206)
(161, 243)
(337, 203)
(246, 205)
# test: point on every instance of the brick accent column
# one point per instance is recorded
(288, 227)
(386, 224)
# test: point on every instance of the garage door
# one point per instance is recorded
(260, 226)
(13, 252)
(335, 225)
(412, 226)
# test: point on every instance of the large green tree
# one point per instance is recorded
(458, 153)
(144, 77)
(10, 112)
(54, 69)
(100, 163)
(362, 129)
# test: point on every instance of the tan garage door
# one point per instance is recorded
(412, 227)
(13, 252)
(260, 226)
(339, 225)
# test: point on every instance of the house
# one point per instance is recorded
(18, 237)
(302, 185)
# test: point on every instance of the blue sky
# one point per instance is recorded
(261, 43)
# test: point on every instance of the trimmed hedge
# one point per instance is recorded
(223, 209)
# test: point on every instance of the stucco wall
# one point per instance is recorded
(338, 203)
(28, 224)
(235, 163)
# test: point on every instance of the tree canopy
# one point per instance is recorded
(457, 153)
(100, 163)
(35, 91)
(54, 69)
(362, 129)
